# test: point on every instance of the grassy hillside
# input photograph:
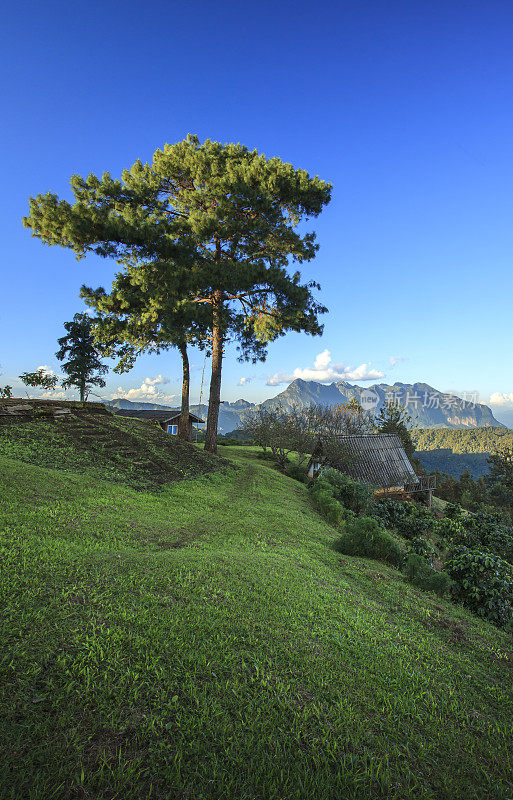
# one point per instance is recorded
(207, 641)
(129, 451)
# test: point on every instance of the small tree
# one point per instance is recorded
(5, 391)
(392, 418)
(83, 367)
(500, 477)
(40, 378)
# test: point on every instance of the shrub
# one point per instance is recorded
(322, 495)
(409, 519)
(419, 572)
(421, 547)
(454, 511)
(487, 532)
(354, 495)
(448, 529)
(483, 583)
(296, 472)
(366, 538)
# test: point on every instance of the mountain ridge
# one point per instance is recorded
(428, 407)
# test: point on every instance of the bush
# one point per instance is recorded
(354, 495)
(448, 529)
(454, 511)
(296, 472)
(487, 532)
(366, 538)
(409, 519)
(483, 583)
(322, 495)
(418, 572)
(421, 547)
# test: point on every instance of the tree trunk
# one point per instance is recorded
(82, 390)
(215, 380)
(183, 426)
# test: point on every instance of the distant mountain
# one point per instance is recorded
(428, 407)
(118, 402)
(229, 413)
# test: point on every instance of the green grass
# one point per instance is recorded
(121, 449)
(207, 641)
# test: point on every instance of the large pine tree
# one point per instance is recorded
(210, 224)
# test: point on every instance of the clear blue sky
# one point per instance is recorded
(406, 107)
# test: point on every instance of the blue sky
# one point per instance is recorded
(405, 107)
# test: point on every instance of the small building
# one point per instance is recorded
(380, 460)
(167, 420)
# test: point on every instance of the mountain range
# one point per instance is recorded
(428, 407)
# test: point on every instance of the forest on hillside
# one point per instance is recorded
(472, 440)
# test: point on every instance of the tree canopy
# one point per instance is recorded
(83, 367)
(212, 225)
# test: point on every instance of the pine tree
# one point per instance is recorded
(393, 418)
(83, 367)
(209, 224)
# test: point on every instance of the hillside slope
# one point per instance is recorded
(130, 451)
(208, 642)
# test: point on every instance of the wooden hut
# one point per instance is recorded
(167, 420)
(378, 459)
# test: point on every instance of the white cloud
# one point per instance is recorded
(501, 399)
(46, 369)
(244, 381)
(148, 390)
(396, 360)
(57, 395)
(157, 381)
(324, 371)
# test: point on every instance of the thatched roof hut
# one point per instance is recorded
(376, 458)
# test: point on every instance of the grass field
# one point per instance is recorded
(207, 641)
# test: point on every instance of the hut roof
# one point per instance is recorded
(162, 416)
(378, 458)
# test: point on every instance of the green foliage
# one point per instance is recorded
(5, 391)
(409, 519)
(83, 366)
(463, 441)
(454, 511)
(299, 473)
(394, 418)
(366, 538)
(421, 547)
(500, 479)
(118, 449)
(208, 230)
(421, 574)
(323, 496)
(447, 529)
(483, 583)
(354, 495)
(39, 378)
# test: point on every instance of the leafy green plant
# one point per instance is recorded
(448, 530)
(354, 495)
(322, 494)
(423, 548)
(366, 538)
(407, 518)
(5, 391)
(483, 583)
(299, 473)
(420, 573)
(454, 511)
